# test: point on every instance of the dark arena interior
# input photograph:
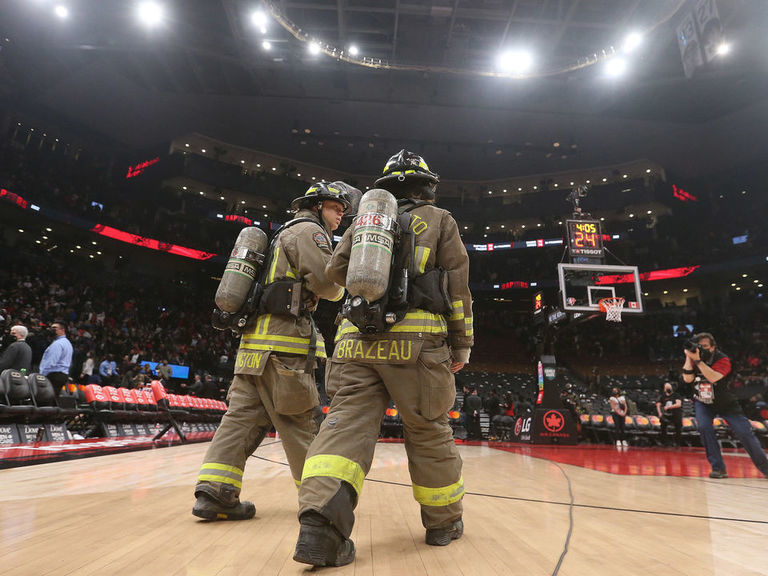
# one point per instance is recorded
(605, 162)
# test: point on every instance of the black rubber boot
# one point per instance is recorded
(220, 504)
(446, 535)
(320, 544)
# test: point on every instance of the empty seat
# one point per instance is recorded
(44, 398)
(15, 395)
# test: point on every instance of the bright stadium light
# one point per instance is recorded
(61, 11)
(615, 67)
(515, 61)
(632, 41)
(354, 50)
(150, 14)
(267, 45)
(314, 48)
(259, 19)
(723, 49)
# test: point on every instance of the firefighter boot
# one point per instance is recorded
(445, 535)
(220, 502)
(320, 544)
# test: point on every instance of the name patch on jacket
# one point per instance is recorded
(251, 362)
(389, 351)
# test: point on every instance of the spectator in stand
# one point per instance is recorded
(108, 370)
(142, 377)
(669, 407)
(619, 412)
(86, 372)
(197, 387)
(57, 358)
(18, 355)
(164, 371)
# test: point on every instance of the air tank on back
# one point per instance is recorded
(373, 241)
(241, 271)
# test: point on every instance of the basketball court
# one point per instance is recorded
(529, 510)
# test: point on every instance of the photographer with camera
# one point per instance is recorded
(710, 371)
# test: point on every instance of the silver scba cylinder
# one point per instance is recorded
(241, 270)
(373, 241)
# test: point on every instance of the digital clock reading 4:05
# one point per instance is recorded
(584, 238)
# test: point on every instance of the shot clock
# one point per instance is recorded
(584, 238)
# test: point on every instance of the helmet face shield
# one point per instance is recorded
(407, 165)
(353, 195)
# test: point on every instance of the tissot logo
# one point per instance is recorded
(554, 421)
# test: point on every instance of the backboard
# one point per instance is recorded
(582, 286)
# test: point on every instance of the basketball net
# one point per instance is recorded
(612, 308)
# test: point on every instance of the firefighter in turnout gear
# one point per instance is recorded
(274, 382)
(411, 363)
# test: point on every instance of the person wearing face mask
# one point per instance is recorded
(710, 370)
(669, 408)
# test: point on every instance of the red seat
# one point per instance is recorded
(158, 391)
(115, 398)
(129, 398)
(95, 396)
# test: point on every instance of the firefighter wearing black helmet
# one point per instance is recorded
(413, 364)
(274, 381)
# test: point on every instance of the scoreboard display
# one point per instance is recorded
(584, 238)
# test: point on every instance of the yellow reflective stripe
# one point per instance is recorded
(297, 482)
(458, 311)
(222, 479)
(334, 466)
(225, 467)
(439, 496)
(275, 337)
(320, 353)
(273, 268)
(291, 274)
(468, 329)
(420, 328)
(261, 325)
(339, 297)
(424, 257)
(417, 321)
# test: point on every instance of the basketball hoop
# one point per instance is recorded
(612, 308)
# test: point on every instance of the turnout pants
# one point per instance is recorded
(341, 455)
(283, 397)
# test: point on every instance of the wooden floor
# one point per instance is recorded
(129, 513)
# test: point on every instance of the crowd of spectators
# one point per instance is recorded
(116, 324)
(127, 317)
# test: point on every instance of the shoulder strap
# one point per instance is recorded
(404, 207)
(273, 241)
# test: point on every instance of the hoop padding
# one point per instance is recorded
(612, 308)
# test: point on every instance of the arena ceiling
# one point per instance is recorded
(426, 77)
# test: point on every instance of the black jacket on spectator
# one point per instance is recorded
(17, 356)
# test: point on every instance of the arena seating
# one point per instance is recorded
(31, 411)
